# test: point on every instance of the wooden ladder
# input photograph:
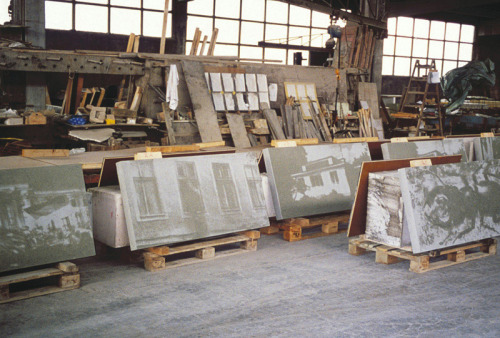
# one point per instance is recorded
(419, 87)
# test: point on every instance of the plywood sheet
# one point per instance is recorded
(451, 204)
(204, 112)
(313, 180)
(180, 199)
(238, 130)
(43, 218)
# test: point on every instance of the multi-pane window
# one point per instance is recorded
(141, 17)
(189, 188)
(226, 190)
(148, 202)
(254, 182)
(243, 23)
(409, 40)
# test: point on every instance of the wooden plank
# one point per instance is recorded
(357, 222)
(274, 124)
(45, 152)
(196, 41)
(355, 139)
(368, 92)
(238, 130)
(173, 149)
(205, 115)
(221, 69)
(136, 102)
(211, 144)
(203, 44)
(298, 141)
(213, 41)
(136, 43)
(164, 28)
(168, 123)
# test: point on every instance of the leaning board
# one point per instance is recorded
(180, 199)
(44, 216)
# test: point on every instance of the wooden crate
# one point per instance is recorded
(68, 279)
(424, 262)
(154, 258)
(293, 228)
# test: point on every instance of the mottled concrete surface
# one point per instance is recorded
(308, 288)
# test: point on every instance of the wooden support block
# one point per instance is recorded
(419, 264)
(205, 253)
(458, 256)
(45, 152)
(260, 131)
(225, 131)
(330, 228)
(270, 230)
(250, 245)
(300, 221)
(147, 155)
(298, 141)
(355, 250)
(283, 143)
(153, 262)
(383, 257)
(292, 233)
(173, 149)
(159, 250)
(252, 234)
(210, 144)
(355, 139)
(4, 292)
(36, 118)
(69, 281)
(67, 267)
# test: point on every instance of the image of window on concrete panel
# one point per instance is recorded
(254, 186)
(149, 206)
(226, 189)
(189, 188)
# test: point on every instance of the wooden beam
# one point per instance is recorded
(173, 149)
(213, 41)
(45, 153)
(164, 28)
(418, 7)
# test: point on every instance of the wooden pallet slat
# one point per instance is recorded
(426, 261)
(69, 279)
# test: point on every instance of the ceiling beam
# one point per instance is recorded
(337, 12)
(414, 7)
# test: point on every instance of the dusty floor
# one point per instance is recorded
(308, 288)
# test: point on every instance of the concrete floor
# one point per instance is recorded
(308, 288)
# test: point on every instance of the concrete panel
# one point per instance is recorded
(44, 216)
(314, 180)
(395, 151)
(487, 148)
(451, 204)
(180, 199)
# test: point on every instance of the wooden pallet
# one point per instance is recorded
(293, 227)
(154, 258)
(425, 261)
(68, 279)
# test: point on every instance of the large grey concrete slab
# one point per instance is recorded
(487, 148)
(310, 288)
(451, 204)
(395, 151)
(44, 216)
(179, 199)
(313, 180)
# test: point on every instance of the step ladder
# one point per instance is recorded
(428, 111)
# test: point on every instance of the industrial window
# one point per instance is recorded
(226, 190)
(142, 17)
(243, 23)
(409, 40)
